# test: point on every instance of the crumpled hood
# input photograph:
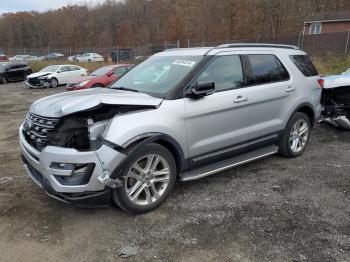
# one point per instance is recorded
(39, 74)
(70, 102)
(336, 81)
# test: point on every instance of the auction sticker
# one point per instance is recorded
(184, 63)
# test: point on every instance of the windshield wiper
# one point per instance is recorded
(126, 89)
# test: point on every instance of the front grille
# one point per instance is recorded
(35, 81)
(343, 99)
(35, 173)
(37, 128)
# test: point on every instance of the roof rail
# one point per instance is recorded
(257, 45)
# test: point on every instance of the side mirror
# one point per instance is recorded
(109, 74)
(202, 89)
(59, 71)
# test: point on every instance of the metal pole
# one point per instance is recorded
(347, 44)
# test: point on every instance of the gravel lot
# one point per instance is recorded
(275, 209)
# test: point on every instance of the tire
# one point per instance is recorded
(89, 60)
(53, 82)
(137, 193)
(296, 136)
(3, 80)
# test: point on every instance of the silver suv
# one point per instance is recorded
(181, 115)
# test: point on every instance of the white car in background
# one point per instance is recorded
(89, 57)
(55, 75)
(23, 58)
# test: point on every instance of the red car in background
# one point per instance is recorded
(3, 58)
(102, 77)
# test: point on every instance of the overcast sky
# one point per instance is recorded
(38, 5)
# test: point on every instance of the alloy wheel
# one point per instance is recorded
(299, 135)
(147, 179)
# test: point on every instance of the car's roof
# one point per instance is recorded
(199, 51)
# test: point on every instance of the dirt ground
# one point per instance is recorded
(275, 209)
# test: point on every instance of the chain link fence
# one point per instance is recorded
(332, 44)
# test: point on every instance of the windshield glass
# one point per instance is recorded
(101, 71)
(158, 74)
(49, 69)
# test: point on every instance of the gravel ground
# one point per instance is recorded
(274, 209)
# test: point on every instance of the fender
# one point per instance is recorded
(137, 143)
(297, 109)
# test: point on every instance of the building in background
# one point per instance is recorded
(323, 23)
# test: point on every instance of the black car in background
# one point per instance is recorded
(13, 71)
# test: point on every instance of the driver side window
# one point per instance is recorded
(225, 71)
(64, 69)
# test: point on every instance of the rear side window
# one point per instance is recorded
(266, 69)
(304, 64)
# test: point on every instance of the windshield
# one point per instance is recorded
(158, 74)
(101, 71)
(49, 69)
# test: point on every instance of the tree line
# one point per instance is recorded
(130, 23)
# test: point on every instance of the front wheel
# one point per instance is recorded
(148, 178)
(54, 82)
(3, 80)
(296, 136)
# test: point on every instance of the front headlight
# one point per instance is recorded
(42, 77)
(95, 130)
(83, 83)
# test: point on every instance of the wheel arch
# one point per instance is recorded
(164, 140)
(307, 109)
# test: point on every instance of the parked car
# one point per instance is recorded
(89, 57)
(23, 58)
(73, 58)
(3, 58)
(101, 77)
(122, 54)
(13, 71)
(336, 100)
(180, 115)
(54, 56)
(54, 75)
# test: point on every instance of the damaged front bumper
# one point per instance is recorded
(38, 83)
(70, 175)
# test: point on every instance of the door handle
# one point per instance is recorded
(290, 89)
(240, 99)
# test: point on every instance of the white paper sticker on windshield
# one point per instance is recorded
(184, 63)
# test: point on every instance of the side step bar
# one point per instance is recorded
(228, 163)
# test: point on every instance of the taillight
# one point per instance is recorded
(321, 82)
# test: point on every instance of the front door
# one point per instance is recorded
(221, 120)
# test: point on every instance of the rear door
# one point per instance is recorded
(12, 72)
(270, 90)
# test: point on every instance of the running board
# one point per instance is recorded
(228, 163)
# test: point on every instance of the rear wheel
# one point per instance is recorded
(148, 178)
(296, 136)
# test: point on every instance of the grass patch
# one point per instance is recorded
(331, 65)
